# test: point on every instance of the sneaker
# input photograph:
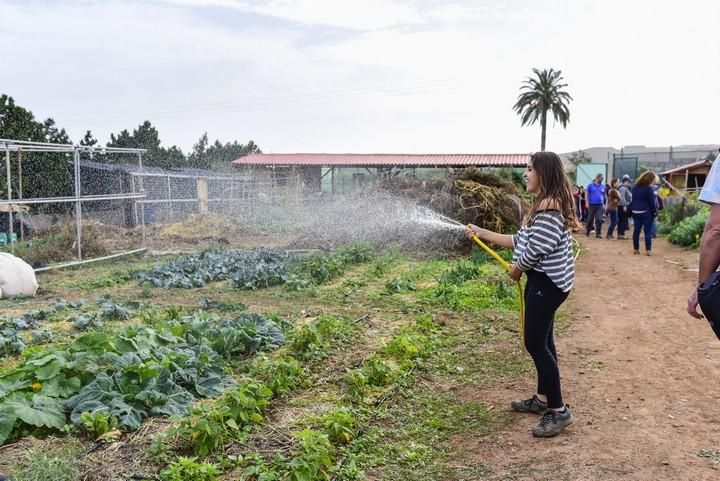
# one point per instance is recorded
(637, 253)
(552, 423)
(649, 253)
(532, 405)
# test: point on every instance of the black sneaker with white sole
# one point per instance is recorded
(552, 423)
(532, 405)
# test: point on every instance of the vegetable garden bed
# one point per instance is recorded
(257, 366)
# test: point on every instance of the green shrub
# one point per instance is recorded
(688, 232)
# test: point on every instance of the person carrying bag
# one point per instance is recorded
(707, 293)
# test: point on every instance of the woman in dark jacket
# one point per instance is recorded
(643, 210)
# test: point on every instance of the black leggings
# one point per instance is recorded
(542, 299)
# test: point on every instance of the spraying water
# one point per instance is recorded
(318, 221)
(377, 217)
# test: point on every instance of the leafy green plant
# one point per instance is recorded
(378, 371)
(280, 374)
(315, 269)
(189, 469)
(138, 372)
(257, 469)
(244, 269)
(408, 346)
(212, 423)
(222, 306)
(356, 382)
(340, 425)
(109, 280)
(688, 232)
(356, 253)
(675, 213)
(98, 423)
(399, 285)
(113, 310)
(314, 460)
(313, 341)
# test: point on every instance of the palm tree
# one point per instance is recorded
(541, 94)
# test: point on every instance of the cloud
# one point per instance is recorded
(396, 76)
(349, 14)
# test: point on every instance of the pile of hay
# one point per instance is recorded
(468, 196)
(206, 230)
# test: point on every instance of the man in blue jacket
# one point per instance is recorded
(596, 199)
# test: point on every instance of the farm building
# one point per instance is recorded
(343, 172)
(688, 177)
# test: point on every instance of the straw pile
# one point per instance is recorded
(468, 196)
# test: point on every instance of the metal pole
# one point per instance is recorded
(170, 207)
(9, 188)
(20, 194)
(89, 261)
(142, 206)
(136, 219)
(78, 203)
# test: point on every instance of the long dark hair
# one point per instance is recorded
(554, 185)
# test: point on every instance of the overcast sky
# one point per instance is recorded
(366, 75)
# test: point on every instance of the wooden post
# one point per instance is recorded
(202, 186)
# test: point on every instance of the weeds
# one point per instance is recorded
(41, 465)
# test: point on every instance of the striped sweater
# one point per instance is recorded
(546, 246)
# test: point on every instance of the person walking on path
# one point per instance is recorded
(643, 211)
(583, 204)
(595, 199)
(612, 206)
(542, 249)
(624, 206)
(710, 243)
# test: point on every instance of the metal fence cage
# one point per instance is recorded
(102, 204)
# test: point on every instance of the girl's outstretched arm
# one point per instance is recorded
(501, 240)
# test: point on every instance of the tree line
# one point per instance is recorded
(19, 123)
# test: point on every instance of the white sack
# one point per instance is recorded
(17, 278)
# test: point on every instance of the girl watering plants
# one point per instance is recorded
(542, 249)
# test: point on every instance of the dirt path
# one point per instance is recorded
(642, 377)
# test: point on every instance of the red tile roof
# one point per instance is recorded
(487, 160)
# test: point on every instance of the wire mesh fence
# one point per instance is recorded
(63, 204)
(631, 162)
